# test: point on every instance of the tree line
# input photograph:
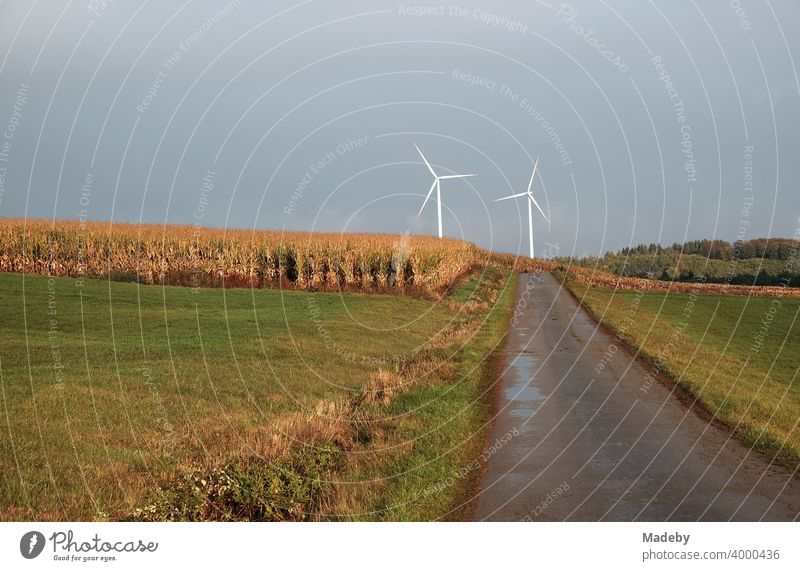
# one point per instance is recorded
(760, 261)
(760, 248)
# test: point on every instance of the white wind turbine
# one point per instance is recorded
(437, 185)
(531, 200)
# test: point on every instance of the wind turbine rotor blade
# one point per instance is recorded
(530, 184)
(457, 176)
(427, 164)
(426, 198)
(536, 204)
(512, 196)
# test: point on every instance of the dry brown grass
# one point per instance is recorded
(382, 387)
(329, 422)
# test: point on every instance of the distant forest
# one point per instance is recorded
(762, 261)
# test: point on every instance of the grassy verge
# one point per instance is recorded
(420, 466)
(739, 356)
(163, 403)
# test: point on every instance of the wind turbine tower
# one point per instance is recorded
(437, 184)
(531, 202)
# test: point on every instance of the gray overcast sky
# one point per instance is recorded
(144, 99)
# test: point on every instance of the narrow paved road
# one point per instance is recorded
(577, 441)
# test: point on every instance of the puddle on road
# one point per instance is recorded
(523, 367)
(522, 412)
(524, 394)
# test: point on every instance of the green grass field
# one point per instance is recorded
(739, 356)
(111, 390)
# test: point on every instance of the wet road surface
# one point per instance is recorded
(583, 432)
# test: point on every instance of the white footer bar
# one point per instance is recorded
(367, 546)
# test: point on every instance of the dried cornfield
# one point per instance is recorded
(197, 256)
(212, 257)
